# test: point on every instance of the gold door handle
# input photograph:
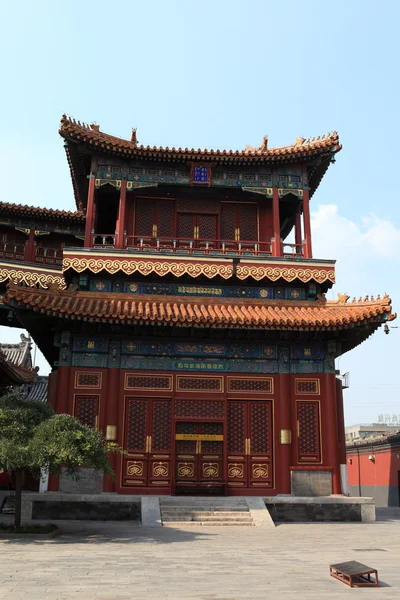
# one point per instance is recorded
(148, 443)
(237, 234)
(196, 233)
(198, 447)
(155, 228)
(247, 446)
(298, 428)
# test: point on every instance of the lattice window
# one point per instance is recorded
(200, 408)
(144, 216)
(136, 424)
(161, 426)
(308, 431)
(260, 427)
(207, 225)
(198, 206)
(248, 221)
(307, 386)
(228, 221)
(253, 384)
(148, 382)
(186, 226)
(87, 409)
(211, 447)
(87, 380)
(165, 218)
(199, 384)
(186, 446)
(236, 430)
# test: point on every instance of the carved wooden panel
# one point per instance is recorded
(85, 379)
(199, 384)
(161, 437)
(248, 221)
(307, 386)
(165, 218)
(236, 427)
(228, 221)
(87, 409)
(148, 382)
(136, 424)
(213, 409)
(260, 427)
(258, 385)
(308, 424)
(144, 213)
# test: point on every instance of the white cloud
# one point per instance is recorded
(336, 236)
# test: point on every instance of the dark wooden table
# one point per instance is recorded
(355, 574)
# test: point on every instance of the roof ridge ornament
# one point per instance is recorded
(343, 298)
(134, 137)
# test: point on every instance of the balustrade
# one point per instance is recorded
(12, 251)
(48, 256)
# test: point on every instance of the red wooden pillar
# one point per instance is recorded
(30, 247)
(111, 399)
(307, 224)
(298, 239)
(284, 455)
(62, 398)
(329, 419)
(90, 213)
(276, 225)
(120, 230)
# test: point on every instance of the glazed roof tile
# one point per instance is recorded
(36, 390)
(42, 213)
(91, 134)
(246, 313)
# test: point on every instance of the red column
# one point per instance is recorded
(329, 422)
(62, 398)
(30, 247)
(307, 224)
(341, 430)
(277, 246)
(298, 240)
(120, 231)
(111, 418)
(284, 454)
(90, 213)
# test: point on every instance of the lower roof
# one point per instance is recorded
(241, 313)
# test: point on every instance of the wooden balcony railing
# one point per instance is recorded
(198, 246)
(12, 251)
(48, 256)
(104, 240)
(183, 245)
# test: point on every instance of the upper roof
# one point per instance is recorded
(91, 134)
(80, 135)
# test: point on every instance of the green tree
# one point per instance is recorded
(32, 437)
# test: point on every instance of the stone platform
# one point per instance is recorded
(115, 507)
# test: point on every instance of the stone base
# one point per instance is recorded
(93, 507)
(291, 509)
(311, 482)
(89, 482)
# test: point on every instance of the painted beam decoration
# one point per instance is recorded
(178, 266)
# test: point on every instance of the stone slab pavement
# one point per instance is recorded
(118, 560)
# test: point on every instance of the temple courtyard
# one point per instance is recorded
(117, 560)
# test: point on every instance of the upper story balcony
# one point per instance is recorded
(198, 246)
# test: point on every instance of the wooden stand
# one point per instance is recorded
(354, 574)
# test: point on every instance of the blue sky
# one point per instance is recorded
(224, 74)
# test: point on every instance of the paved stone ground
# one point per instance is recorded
(113, 561)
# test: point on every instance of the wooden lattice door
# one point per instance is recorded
(239, 221)
(147, 442)
(249, 444)
(197, 229)
(198, 457)
(154, 217)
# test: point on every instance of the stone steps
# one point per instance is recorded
(8, 506)
(207, 512)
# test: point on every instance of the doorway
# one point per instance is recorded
(199, 458)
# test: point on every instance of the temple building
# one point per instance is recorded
(183, 313)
